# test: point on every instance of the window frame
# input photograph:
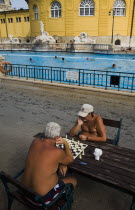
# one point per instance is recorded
(87, 8)
(18, 19)
(10, 20)
(3, 21)
(26, 19)
(119, 8)
(56, 12)
(2, 2)
(36, 12)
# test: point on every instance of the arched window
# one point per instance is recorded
(117, 42)
(35, 12)
(87, 8)
(119, 8)
(55, 9)
(2, 2)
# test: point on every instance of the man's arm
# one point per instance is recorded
(76, 128)
(63, 169)
(67, 157)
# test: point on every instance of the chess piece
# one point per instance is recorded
(80, 156)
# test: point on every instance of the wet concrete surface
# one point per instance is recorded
(25, 110)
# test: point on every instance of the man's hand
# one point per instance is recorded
(83, 137)
(63, 169)
(80, 122)
(60, 140)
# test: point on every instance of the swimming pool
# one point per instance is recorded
(81, 69)
(124, 63)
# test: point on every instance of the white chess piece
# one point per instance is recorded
(80, 156)
(98, 152)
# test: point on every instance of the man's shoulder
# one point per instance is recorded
(98, 117)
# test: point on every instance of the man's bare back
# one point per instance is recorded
(42, 163)
(41, 167)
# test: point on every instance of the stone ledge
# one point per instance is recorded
(75, 87)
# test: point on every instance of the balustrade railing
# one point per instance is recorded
(82, 47)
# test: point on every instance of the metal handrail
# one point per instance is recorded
(86, 77)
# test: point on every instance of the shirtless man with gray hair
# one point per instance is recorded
(43, 161)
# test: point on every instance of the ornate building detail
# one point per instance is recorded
(83, 38)
(5, 5)
(44, 36)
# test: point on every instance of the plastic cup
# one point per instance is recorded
(97, 153)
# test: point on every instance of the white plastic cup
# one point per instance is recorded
(97, 153)
(97, 157)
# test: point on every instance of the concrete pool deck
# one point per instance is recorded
(26, 108)
(69, 86)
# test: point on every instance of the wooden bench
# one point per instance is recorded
(22, 193)
(116, 124)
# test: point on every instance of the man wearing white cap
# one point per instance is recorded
(89, 126)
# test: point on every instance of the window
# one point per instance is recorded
(56, 9)
(18, 19)
(26, 19)
(10, 20)
(2, 2)
(2, 20)
(119, 8)
(87, 8)
(35, 12)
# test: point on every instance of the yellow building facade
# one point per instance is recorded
(68, 18)
(72, 21)
(15, 22)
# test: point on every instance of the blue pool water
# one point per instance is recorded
(124, 63)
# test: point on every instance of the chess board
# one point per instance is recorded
(76, 148)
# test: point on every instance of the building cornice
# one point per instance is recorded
(14, 11)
